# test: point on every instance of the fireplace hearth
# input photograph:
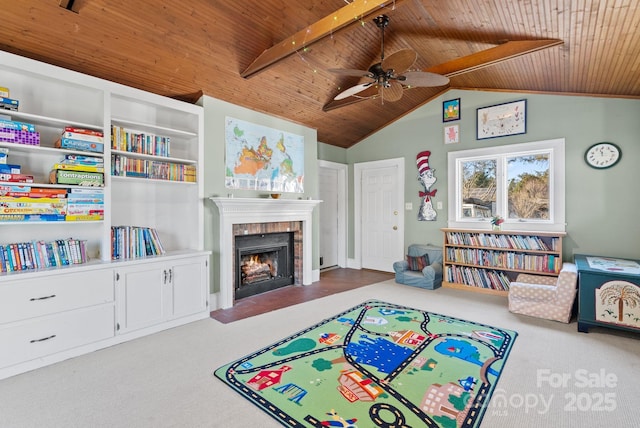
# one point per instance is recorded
(264, 262)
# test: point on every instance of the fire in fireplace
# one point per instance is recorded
(264, 262)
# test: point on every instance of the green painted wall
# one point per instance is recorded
(215, 112)
(330, 153)
(601, 206)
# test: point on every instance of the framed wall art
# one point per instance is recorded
(451, 110)
(262, 158)
(501, 120)
(452, 134)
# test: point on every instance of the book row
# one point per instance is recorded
(505, 260)
(130, 141)
(132, 242)
(483, 278)
(516, 242)
(40, 254)
(123, 166)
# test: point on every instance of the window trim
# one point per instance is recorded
(554, 147)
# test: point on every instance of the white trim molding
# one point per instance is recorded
(254, 210)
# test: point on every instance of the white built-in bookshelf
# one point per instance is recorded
(53, 313)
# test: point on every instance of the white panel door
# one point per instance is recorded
(328, 184)
(382, 225)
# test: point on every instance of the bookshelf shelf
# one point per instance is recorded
(37, 119)
(45, 150)
(487, 261)
(142, 126)
(123, 179)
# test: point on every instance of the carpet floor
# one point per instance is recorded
(554, 376)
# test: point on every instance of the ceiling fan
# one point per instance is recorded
(389, 77)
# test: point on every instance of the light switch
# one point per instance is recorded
(439, 205)
(408, 206)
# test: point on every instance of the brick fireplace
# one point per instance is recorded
(249, 216)
(267, 256)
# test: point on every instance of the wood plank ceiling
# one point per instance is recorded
(183, 49)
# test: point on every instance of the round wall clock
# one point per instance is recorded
(602, 155)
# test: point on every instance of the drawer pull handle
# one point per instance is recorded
(33, 299)
(43, 339)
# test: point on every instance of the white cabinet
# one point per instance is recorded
(48, 314)
(38, 337)
(152, 293)
(53, 314)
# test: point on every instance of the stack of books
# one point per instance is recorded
(8, 168)
(82, 139)
(7, 103)
(15, 132)
(78, 170)
(12, 172)
(40, 255)
(85, 205)
(25, 203)
(131, 242)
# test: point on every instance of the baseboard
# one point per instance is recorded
(353, 264)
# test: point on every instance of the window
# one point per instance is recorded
(522, 183)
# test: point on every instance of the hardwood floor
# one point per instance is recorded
(331, 282)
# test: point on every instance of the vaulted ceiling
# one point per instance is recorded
(183, 49)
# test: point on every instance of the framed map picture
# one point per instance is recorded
(501, 120)
(451, 110)
(262, 158)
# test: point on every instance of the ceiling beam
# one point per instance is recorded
(491, 56)
(357, 9)
(469, 63)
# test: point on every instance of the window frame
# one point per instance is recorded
(555, 149)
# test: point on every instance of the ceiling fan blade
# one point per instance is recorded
(400, 61)
(393, 92)
(470, 63)
(423, 79)
(351, 72)
(353, 91)
(370, 92)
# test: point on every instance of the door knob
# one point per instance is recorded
(395, 227)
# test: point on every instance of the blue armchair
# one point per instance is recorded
(429, 277)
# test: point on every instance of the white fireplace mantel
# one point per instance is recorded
(255, 210)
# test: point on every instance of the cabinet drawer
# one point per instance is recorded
(28, 340)
(30, 298)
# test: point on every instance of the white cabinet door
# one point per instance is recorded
(141, 296)
(189, 286)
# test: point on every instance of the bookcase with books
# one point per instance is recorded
(81, 229)
(486, 261)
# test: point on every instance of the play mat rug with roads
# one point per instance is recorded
(376, 365)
